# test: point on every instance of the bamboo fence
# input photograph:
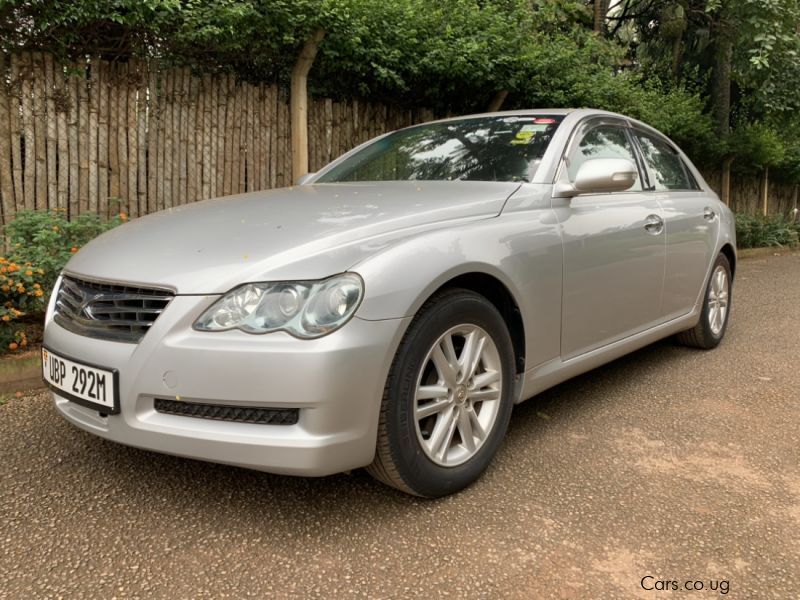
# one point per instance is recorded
(105, 138)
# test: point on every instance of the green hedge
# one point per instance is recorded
(758, 232)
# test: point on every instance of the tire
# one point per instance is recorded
(710, 329)
(415, 452)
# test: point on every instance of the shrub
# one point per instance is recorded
(40, 244)
(758, 232)
(47, 240)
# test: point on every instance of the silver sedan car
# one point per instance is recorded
(389, 311)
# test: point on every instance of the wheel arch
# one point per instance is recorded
(730, 254)
(496, 292)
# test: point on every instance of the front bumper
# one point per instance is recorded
(336, 381)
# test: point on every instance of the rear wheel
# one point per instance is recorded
(448, 398)
(710, 330)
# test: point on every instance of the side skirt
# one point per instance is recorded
(555, 371)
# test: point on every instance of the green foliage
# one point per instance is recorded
(449, 55)
(756, 146)
(40, 245)
(758, 232)
(21, 292)
(109, 27)
(48, 240)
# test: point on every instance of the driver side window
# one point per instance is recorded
(603, 141)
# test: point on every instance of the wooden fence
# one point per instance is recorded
(131, 137)
(746, 194)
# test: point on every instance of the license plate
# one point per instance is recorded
(90, 385)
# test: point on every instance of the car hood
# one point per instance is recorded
(304, 232)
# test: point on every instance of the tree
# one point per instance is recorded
(743, 53)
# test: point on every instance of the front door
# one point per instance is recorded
(614, 251)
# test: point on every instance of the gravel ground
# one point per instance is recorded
(676, 464)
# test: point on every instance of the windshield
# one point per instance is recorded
(482, 149)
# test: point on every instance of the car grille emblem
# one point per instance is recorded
(85, 307)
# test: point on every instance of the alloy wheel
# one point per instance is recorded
(458, 395)
(718, 294)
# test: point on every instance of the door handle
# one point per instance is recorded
(709, 214)
(654, 224)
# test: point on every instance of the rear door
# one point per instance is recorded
(614, 249)
(691, 222)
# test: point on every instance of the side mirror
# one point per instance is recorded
(303, 179)
(598, 176)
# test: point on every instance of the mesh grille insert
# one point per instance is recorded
(221, 412)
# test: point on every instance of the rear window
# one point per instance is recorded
(481, 149)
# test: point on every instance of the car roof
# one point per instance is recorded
(525, 112)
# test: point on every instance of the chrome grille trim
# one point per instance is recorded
(108, 311)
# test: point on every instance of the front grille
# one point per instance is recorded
(221, 412)
(108, 311)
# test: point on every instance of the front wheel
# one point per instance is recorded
(448, 398)
(710, 330)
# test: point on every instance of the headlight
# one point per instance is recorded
(305, 309)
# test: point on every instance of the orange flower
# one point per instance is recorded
(6, 318)
(2, 260)
(123, 216)
(23, 343)
(36, 285)
(55, 227)
(5, 288)
(13, 346)
(74, 249)
(21, 289)
(3, 270)
(29, 273)
(39, 293)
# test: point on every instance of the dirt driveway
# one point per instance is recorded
(670, 465)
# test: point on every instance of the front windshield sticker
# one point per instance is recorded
(534, 127)
(527, 133)
(523, 137)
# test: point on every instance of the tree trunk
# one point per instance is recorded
(299, 104)
(677, 52)
(721, 102)
(765, 192)
(721, 84)
(497, 101)
(600, 10)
